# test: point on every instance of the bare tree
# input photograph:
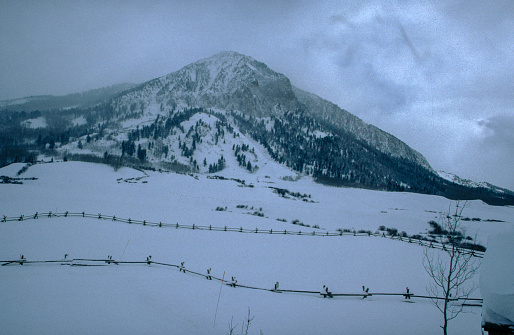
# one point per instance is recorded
(451, 270)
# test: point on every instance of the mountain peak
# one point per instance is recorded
(228, 80)
(229, 65)
(231, 56)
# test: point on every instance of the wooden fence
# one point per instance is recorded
(319, 233)
(324, 292)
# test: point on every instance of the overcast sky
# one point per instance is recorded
(436, 74)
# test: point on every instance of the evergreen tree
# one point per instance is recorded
(141, 153)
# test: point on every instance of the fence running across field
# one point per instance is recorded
(424, 243)
(84, 262)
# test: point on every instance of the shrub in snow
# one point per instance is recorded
(392, 231)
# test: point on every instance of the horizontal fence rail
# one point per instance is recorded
(325, 293)
(421, 242)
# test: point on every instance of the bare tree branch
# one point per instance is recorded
(450, 273)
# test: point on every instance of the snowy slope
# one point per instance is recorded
(150, 299)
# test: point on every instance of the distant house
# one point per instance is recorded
(497, 285)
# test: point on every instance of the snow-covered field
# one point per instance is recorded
(135, 299)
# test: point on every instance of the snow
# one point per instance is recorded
(11, 170)
(36, 123)
(496, 280)
(49, 299)
(79, 121)
(320, 134)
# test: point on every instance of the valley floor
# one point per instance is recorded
(135, 299)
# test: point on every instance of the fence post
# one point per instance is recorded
(35, 215)
(66, 214)
(21, 218)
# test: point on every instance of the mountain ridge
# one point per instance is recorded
(82, 99)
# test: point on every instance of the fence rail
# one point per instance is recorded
(325, 293)
(421, 242)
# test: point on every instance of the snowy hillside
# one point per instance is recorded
(133, 299)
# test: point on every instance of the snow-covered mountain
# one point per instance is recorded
(470, 183)
(229, 112)
(232, 81)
